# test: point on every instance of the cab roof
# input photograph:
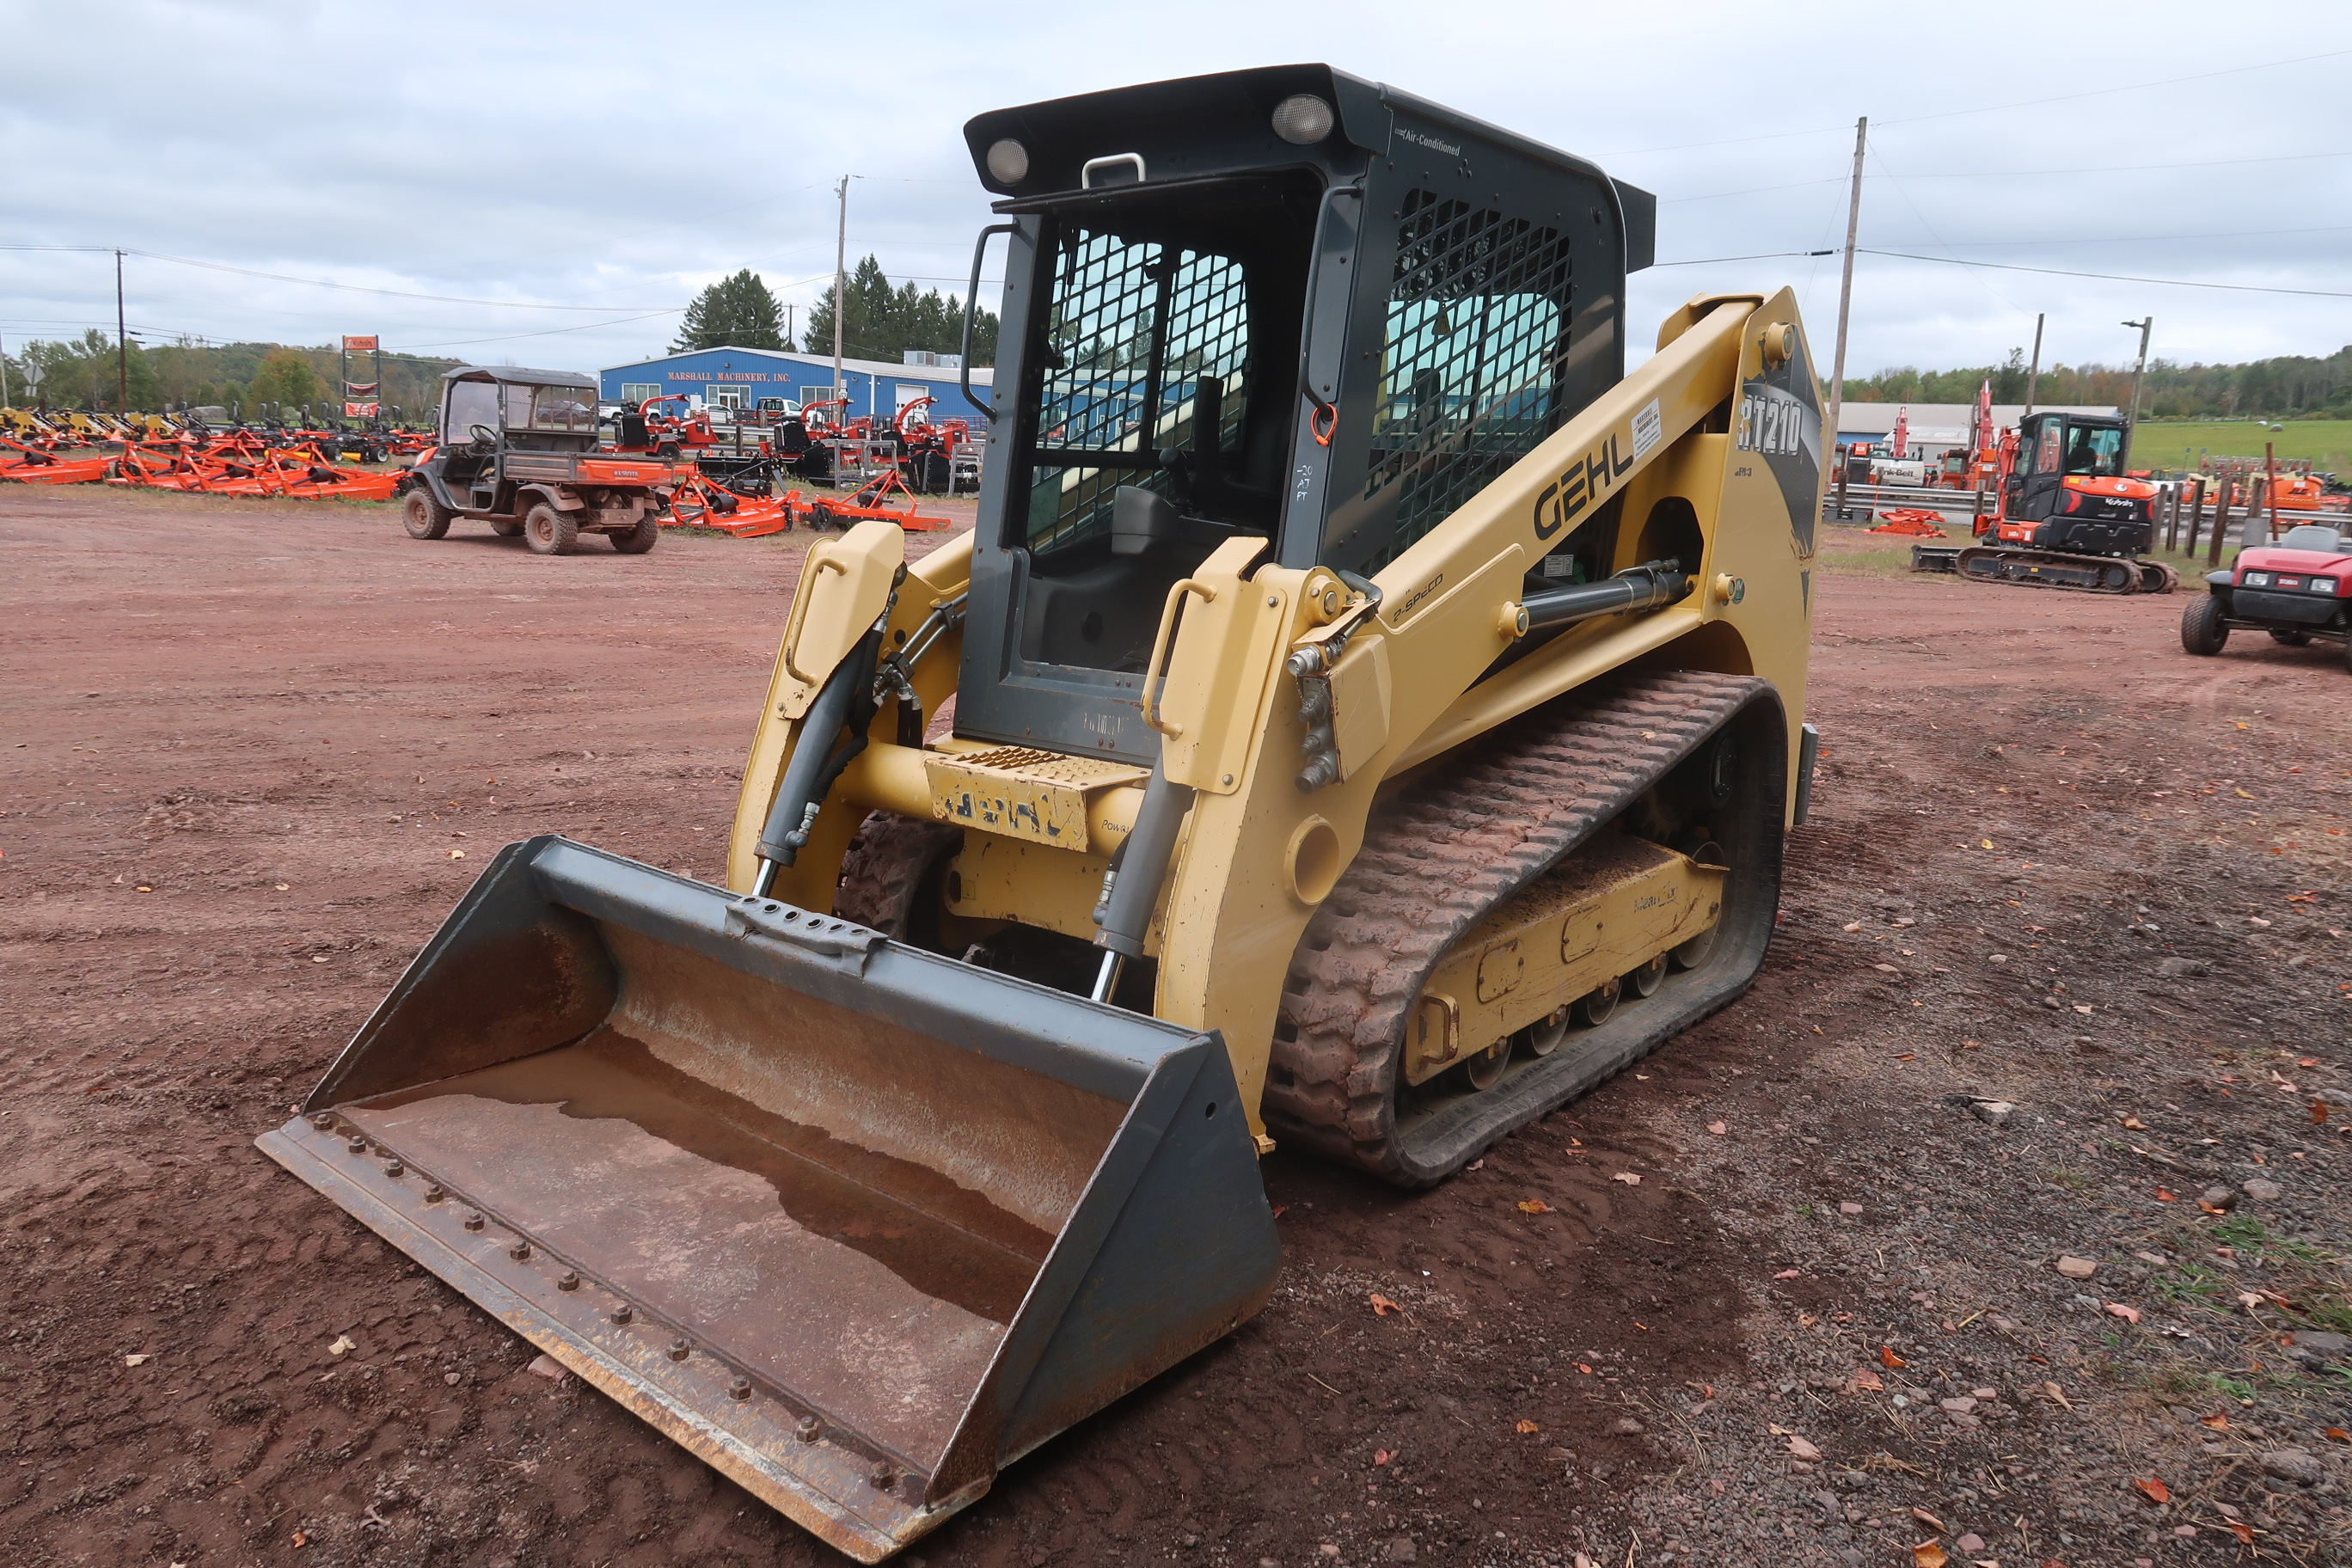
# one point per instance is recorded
(518, 376)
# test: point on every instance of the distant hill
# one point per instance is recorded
(84, 372)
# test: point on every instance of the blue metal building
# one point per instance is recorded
(741, 378)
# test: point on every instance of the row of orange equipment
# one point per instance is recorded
(237, 463)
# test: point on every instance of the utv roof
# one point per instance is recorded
(520, 376)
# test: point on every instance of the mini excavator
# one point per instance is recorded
(1375, 719)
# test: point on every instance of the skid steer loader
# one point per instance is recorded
(1376, 716)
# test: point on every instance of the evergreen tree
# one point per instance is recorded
(882, 323)
(734, 312)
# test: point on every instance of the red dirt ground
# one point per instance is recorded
(246, 743)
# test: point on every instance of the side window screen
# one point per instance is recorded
(1134, 328)
(1477, 332)
(2045, 455)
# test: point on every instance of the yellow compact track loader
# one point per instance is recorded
(1375, 719)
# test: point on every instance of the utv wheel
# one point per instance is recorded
(549, 531)
(506, 527)
(640, 539)
(423, 517)
(2201, 628)
(2290, 639)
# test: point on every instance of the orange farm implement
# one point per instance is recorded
(1911, 520)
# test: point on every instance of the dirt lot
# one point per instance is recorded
(1793, 1301)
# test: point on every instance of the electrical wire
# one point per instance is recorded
(2110, 276)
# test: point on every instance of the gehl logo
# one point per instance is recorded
(1772, 425)
(1584, 484)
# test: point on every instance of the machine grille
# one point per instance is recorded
(1478, 333)
(1135, 326)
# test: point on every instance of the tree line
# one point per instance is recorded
(249, 380)
(880, 322)
(2292, 386)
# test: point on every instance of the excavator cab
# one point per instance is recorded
(1282, 305)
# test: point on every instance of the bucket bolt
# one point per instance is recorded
(475, 1221)
(359, 1146)
(624, 1313)
(679, 1350)
(810, 1429)
(394, 1168)
(324, 1121)
(518, 1251)
(569, 1281)
(882, 1477)
(434, 1194)
(740, 1388)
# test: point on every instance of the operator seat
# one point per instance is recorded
(2318, 536)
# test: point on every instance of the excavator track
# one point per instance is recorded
(2049, 569)
(1459, 841)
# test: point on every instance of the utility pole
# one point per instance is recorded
(1845, 292)
(4, 376)
(122, 344)
(2131, 414)
(840, 290)
(789, 309)
(2033, 374)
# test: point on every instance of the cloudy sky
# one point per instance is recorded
(549, 184)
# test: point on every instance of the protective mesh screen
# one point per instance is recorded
(1133, 329)
(1478, 328)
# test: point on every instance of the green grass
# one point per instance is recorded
(2325, 444)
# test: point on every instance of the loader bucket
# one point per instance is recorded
(854, 1222)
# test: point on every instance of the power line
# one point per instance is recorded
(550, 331)
(2113, 276)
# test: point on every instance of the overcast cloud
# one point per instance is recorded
(619, 157)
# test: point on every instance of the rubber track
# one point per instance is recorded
(884, 867)
(2058, 558)
(1436, 859)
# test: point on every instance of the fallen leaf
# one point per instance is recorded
(2135, 1123)
(2082, 1007)
(2307, 1061)
(2219, 1421)
(1851, 925)
(342, 1347)
(1984, 843)
(301, 1538)
(2241, 794)
(1584, 1369)
(146, 887)
(2319, 1110)
(1889, 1359)
(2058, 1394)
(1927, 1554)
(1806, 1319)
(1719, 1129)
(1907, 1056)
(1533, 1206)
(136, 1360)
(1382, 1455)
(2128, 1314)
(2164, 1197)
(2157, 1490)
(1281, 1209)
(2337, 1435)
(1868, 1382)
(2241, 1529)
(1627, 1177)
(1524, 1427)
(1383, 1305)
(1801, 1448)
(1787, 1274)
(456, 853)
(1931, 1521)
